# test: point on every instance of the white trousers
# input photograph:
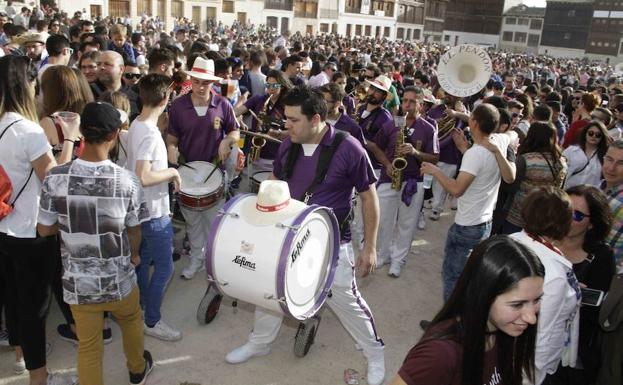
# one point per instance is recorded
(345, 301)
(397, 223)
(356, 226)
(197, 227)
(439, 193)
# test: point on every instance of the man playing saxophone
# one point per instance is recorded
(401, 192)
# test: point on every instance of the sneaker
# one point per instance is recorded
(4, 338)
(376, 371)
(394, 270)
(19, 366)
(421, 222)
(64, 331)
(139, 379)
(163, 332)
(61, 379)
(434, 216)
(107, 335)
(193, 268)
(246, 352)
(428, 204)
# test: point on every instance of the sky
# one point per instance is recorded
(534, 3)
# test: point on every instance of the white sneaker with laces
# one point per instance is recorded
(163, 332)
(19, 366)
(193, 268)
(246, 352)
(434, 216)
(376, 371)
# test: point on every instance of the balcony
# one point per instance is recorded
(284, 5)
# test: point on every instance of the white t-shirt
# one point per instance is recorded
(476, 205)
(145, 143)
(23, 143)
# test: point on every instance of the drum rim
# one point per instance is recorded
(215, 192)
(214, 228)
(221, 185)
(259, 172)
(285, 254)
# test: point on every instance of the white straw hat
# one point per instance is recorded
(273, 204)
(203, 69)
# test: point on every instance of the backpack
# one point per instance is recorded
(6, 188)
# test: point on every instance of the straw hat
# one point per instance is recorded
(273, 204)
(32, 37)
(382, 82)
(203, 69)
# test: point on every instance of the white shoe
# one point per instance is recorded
(61, 379)
(376, 371)
(421, 222)
(394, 270)
(434, 216)
(163, 332)
(428, 204)
(19, 366)
(246, 352)
(193, 268)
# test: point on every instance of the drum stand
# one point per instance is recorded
(305, 334)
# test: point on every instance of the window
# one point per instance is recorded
(228, 6)
(592, 43)
(118, 8)
(349, 30)
(446, 38)
(408, 34)
(353, 6)
(511, 20)
(571, 13)
(523, 21)
(368, 30)
(520, 37)
(144, 7)
(305, 9)
(400, 33)
(533, 40)
(358, 30)
(177, 8)
(536, 24)
(621, 50)
(417, 32)
(567, 36)
(324, 27)
(272, 22)
(285, 5)
(387, 31)
(507, 36)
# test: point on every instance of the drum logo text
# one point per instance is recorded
(244, 263)
(299, 246)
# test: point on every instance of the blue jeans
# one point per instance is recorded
(156, 248)
(459, 244)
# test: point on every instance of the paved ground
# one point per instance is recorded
(198, 359)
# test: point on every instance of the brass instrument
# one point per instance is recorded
(445, 125)
(257, 142)
(399, 163)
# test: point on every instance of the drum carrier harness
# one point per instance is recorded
(326, 155)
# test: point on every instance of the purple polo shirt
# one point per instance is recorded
(346, 123)
(448, 153)
(349, 105)
(421, 134)
(436, 112)
(200, 136)
(256, 104)
(350, 168)
(372, 124)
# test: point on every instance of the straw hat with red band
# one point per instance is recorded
(273, 204)
(203, 69)
(382, 82)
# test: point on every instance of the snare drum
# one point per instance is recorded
(286, 267)
(257, 179)
(197, 193)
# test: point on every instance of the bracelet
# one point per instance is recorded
(69, 140)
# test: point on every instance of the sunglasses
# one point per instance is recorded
(132, 76)
(577, 98)
(578, 216)
(516, 115)
(594, 134)
(274, 86)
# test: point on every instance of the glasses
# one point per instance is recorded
(579, 216)
(594, 134)
(516, 115)
(132, 76)
(274, 86)
(577, 98)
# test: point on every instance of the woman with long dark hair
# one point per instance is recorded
(539, 163)
(270, 110)
(586, 158)
(593, 265)
(26, 259)
(485, 333)
(581, 117)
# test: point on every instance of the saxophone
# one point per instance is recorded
(258, 142)
(399, 163)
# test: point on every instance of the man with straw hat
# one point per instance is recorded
(347, 167)
(202, 127)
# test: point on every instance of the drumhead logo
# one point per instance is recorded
(244, 263)
(299, 246)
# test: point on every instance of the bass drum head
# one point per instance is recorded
(311, 264)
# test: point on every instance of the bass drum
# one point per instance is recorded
(286, 267)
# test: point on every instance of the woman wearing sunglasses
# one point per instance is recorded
(131, 75)
(581, 117)
(592, 259)
(547, 213)
(586, 157)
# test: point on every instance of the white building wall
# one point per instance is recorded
(71, 6)
(561, 52)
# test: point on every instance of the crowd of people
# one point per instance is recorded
(99, 117)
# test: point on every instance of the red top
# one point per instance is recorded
(573, 133)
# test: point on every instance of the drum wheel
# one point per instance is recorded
(305, 335)
(209, 305)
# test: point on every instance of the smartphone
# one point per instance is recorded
(592, 297)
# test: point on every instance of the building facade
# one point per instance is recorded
(566, 27)
(521, 29)
(605, 38)
(473, 22)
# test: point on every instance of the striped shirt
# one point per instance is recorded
(615, 195)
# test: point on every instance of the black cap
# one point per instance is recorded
(101, 115)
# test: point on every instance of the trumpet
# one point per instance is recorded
(399, 163)
(258, 141)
